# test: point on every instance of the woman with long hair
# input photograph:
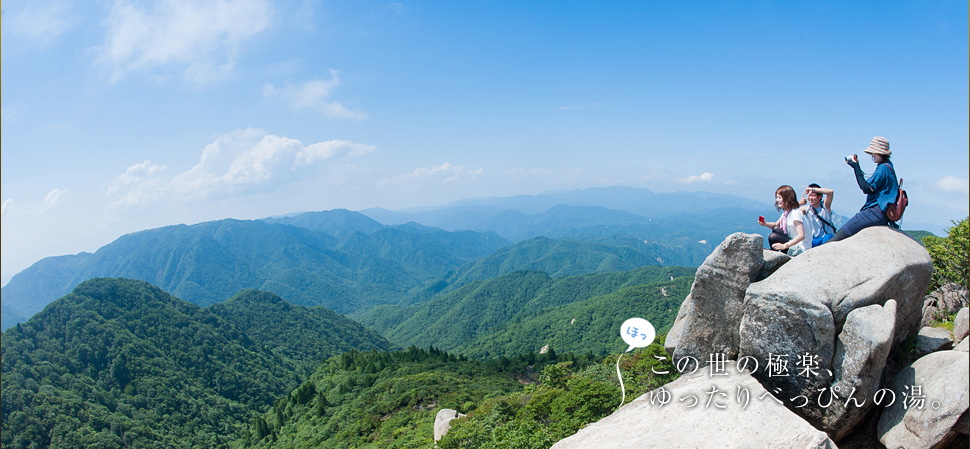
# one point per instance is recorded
(788, 233)
(881, 189)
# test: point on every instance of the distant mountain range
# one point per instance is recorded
(352, 261)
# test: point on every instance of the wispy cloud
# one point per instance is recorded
(7, 206)
(953, 184)
(445, 171)
(53, 199)
(314, 94)
(703, 177)
(39, 22)
(199, 39)
(236, 164)
(395, 7)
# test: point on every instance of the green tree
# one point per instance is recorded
(949, 255)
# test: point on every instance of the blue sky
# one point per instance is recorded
(120, 116)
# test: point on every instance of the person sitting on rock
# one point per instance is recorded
(788, 233)
(881, 189)
(817, 209)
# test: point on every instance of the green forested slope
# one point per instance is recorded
(589, 325)
(455, 321)
(302, 336)
(120, 363)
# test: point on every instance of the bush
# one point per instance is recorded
(950, 255)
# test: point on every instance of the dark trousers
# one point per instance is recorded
(873, 216)
(777, 237)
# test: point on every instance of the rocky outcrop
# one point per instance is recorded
(702, 410)
(797, 312)
(442, 421)
(931, 402)
(821, 329)
(945, 300)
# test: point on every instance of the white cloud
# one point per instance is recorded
(52, 199)
(202, 39)
(136, 174)
(41, 23)
(953, 184)
(704, 177)
(314, 94)
(7, 206)
(449, 172)
(236, 164)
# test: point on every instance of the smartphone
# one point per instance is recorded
(761, 218)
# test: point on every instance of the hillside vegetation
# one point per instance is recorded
(522, 311)
(119, 362)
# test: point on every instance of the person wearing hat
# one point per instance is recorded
(881, 189)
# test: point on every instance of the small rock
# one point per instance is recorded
(964, 345)
(442, 421)
(932, 339)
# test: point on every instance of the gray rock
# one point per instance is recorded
(943, 378)
(773, 260)
(961, 324)
(860, 357)
(798, 311)
(945, 300)
(932, 339)
(751, 423)
(442, 421)
(677, 329)
(964, 345)
(710, 324)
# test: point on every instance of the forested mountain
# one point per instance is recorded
(301, 336)
(209, 262)
(566, 257)
(118, 362)
(525, 310)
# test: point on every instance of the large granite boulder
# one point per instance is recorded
(931, 402)
(861, 351)
(795, 315)
(697, 410)
(707, 321)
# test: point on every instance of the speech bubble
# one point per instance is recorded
(637, 332)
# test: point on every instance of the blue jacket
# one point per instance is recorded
(881, 188)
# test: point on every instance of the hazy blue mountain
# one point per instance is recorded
(474, 214)
(208, 262)
(38, 285)
(337, 222)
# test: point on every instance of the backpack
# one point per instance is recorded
(894, 212)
